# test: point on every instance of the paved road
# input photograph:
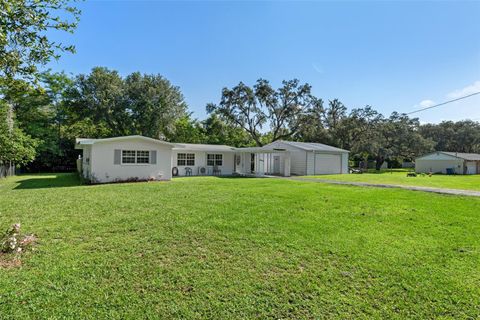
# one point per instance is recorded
(456, 192)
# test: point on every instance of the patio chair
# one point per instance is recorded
(216, 171)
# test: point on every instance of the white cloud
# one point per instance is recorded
(423, 104)
(475, 87)
(426, 103)
(458, 110)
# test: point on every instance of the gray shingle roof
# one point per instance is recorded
(310, 146)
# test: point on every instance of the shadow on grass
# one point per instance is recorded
(53, 180)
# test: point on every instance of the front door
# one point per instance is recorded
(237, 163)
(252, 162)
(276, 164)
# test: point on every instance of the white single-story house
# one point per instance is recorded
(141, 158)
(313, 158)
(448, 162)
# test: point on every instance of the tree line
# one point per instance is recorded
(49, 116)
(41, 113)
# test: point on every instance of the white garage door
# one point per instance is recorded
(328, 163)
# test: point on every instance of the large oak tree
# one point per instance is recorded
(261, 107)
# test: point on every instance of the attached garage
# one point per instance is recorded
(313, 158)
(448, 162)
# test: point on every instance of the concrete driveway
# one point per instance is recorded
(456, 192)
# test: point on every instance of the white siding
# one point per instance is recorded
(201, 161)
(103, 168)
(345, 163)
(310, 163)
(298, 158)
(471, 167)
(430, 165)
(298, 162)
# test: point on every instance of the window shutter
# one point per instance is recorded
(117, 156)
(153, 157)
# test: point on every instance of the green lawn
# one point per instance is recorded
(466, 182)
(232, 248)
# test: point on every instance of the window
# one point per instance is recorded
(210, 159)
(128, 156)
(143, 156)
(135, 156)
(190, 159)
(214, 160)
(186, 159)
(218, 159)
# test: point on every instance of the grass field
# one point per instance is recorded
(231, 248)
(466, 182)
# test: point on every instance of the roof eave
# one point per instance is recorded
(82, 141)
(310, 149)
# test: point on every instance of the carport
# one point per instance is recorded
(261, 161)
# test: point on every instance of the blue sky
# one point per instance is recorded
(391, 55)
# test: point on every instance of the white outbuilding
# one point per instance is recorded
(448, 163)
(308, 158)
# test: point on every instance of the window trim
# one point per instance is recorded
(135, 163)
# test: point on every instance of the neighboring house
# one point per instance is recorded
(448, 162)
(313, 158)
(141, 158)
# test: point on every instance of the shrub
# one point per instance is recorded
(12, 241)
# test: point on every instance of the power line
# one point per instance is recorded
(443, 103)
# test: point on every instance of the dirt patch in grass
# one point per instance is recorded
(8, 261)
